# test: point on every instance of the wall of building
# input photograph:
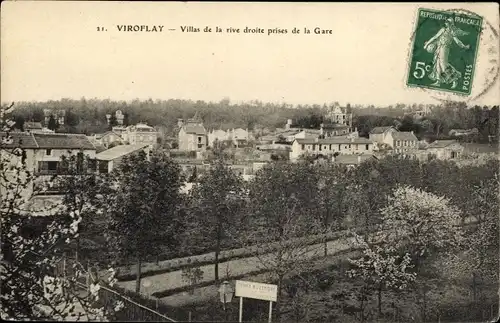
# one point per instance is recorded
(329, 149)
(189, 142)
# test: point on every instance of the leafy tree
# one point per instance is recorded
(53, 124)
(37, 115)
(125, 119)
(281, 211)
(112, 121)
(333, 195)
(19, 122)
(143, 207)
(216, 199)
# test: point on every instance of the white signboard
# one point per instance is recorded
(266, 292)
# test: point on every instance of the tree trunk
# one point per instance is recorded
(474, 287)
(280, 294)
(425, 305)
(217, 249)
(326, 232)
(138, 275)
(77, 249)
(362, 307)
(380, 300)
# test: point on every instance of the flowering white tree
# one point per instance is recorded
(381, 268)
(31, 288)
(419, 222)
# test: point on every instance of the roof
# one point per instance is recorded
(18, 140)
(63, 141)
(119, 151)
(109, 133)
(379, 130)
(334, 140)
(194, 129)
(99, 148)
(352, 159)
(402, 135)
(140, 127)
(442, 143)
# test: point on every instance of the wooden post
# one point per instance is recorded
(189, 316)
(157, 304)
(241, 310)
(270, 311)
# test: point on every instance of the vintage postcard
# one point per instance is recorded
(249, 162)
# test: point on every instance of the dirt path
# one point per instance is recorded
(172, 280)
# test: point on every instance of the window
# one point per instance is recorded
(339, 147)
(367, 146)
(199, 140)
(314, 147)
(357, 147)
(330, 146)
(319, 147)
(303, 146)
(48, 152)
(52, 165)
(200, 145)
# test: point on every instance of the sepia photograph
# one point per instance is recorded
(249, 162)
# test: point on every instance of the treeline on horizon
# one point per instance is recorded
(88, 116)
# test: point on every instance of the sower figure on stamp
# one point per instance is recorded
(439, 44)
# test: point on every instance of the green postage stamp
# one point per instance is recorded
(444, 50)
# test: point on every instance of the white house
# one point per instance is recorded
(330, 146)
(111, 158)
(379, 134)
(42, 152)
(192, 135)
(237, 136)
(445, 149)
(141, 133)
(402, 142)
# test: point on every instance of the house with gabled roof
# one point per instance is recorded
(107, 138)
(41, 152)
(111, 158)
(192, 135)
(402, 142)
(379, 134)
(445, 149)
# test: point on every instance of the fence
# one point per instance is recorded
(132, 310)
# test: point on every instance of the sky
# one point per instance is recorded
(52, 50)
